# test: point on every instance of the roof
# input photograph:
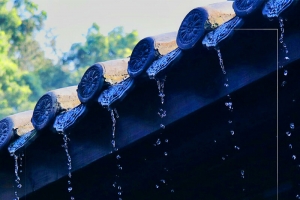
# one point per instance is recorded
(194, 92)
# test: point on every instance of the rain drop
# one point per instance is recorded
(163, 181)
(118, 157)
(119, 187)
(69, 182)
(70, 189)
(120, 193)
(290, 146)
(156, 186)
(232, 132)
(114, 184)
(158, 141)
(294, 157)
(19, 185)
(172, 190)
(229, 121)
(223, 158)
(283, 83)
(226, 84)
(166, 140)
(162, 126)
(292, 125)
(285, 72)
(165, 153)
(286, 58)
(72, 198)
(237, 148)
(288, 133)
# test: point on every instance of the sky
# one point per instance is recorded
(70, 19)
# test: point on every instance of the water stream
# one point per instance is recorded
(114, 114)
(18, 179)
(229, 105)
(69, 162)
(162, 140)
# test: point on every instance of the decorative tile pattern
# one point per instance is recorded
(162, 63)
(5, 134)
(213, 38)
(43, 112)
(273, 8)
(68, 118)
(22, 141)
(246, 7)
(115, 93)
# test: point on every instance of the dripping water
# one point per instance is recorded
(114, 114)
(229, 106)
(164, 141)
(18, 179)
(284, 49)
(69, 161)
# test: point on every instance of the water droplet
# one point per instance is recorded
(157, 186)
(237, 148)
(21, 171)
(283, 83)
(70, 175)
(229, 121)
(242, 172)
(120, 198)
(215, 141)
(223, 158)
(158, 141)
(290, 146)
(118, 157)
(69, 182)
(114, 184)
(292, 125)
(288, 133)
(166, 140)
(119, 187)
(286, 58)
(298, 196)
(172, 190)
(280, 66)
(285, 72)
(284, 45)
(232, 132)
(163, 181)
(113, 142)
(72, 198)
(120, 193)
(19, 185)
(165, 153)
(162, 126)
(294, 157)
(226, 84)
(70, 189)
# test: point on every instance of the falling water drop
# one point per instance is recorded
(158, 141)
(232, 132)
(283, 83)
(292, 125)
(113, 123)
(297, 196)
(288, 133)
(166, 140)
(226, 84)
(113, 142)
(162, 126)
(172, 190)
(229, 121)
(163, 181)
(160, 86)
(285, 72)
(72, 198)
(118, 157)
(19, 186)
(157, 186)
(165, 153)
(70, 189)
(294, 157)
(119, 187)
(290, 146)
(221, 61)
(223, 158)
(237, 148)
(69, 182)
(114, 184)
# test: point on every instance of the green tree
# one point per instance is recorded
(98, 47)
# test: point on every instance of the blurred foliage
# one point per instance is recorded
(26, 73)
(117, 44)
